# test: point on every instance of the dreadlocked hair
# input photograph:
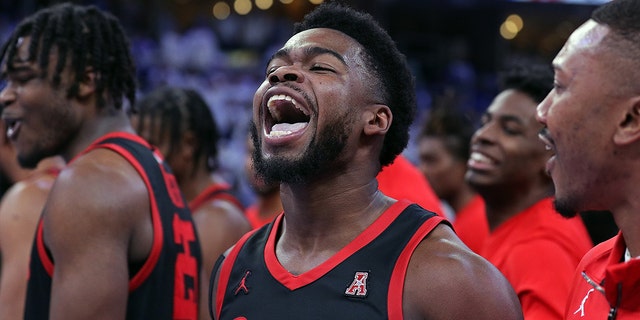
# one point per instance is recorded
(386, 62)
(180, 110)
(83, 37)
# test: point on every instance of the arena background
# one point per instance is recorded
(219, 47)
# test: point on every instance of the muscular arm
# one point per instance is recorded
(445, 280)
(88, 225)
(219, 225)
(19, 214)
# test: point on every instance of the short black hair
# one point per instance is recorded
(180, 110)
(623, 18)
(88, 37)
(532, 79)
(446, 121)
(388, 65)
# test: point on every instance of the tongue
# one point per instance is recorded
(289, 127)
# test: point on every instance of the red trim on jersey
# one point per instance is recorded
(42, 250)
(47, 263)
(225, 271)
(158, 233)
(293, 282)
(219, 191)
(118, 134)
(396, 285)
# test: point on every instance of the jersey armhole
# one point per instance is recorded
(224, 265)
(398, 276)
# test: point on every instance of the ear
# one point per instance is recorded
(87, 84)
(378, 119)
(628, 131)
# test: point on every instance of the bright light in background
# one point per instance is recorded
(242, 7)
(316, 1)
(264, 4)
(511, 26)
(221, 10)
(515, 19)
(286, 1)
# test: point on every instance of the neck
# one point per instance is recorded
(92, 129)
(329, 213)
(192, 185)
(461, 198)
(629, 223)
(269, 204)
(501, 206)
(319, 224)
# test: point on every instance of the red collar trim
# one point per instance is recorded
(293, 282)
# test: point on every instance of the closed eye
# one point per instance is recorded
(321, 68)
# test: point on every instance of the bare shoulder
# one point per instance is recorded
(20, 211)
(220, 224)
(98, 193)
(446, 280)
(224, 213)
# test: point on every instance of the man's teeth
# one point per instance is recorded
(283, 129)
(12, 128)
(272, 100)
(271, 103)
(479, 157)
(275, 133)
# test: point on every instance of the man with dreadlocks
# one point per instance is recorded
(333, 109)
(179, 122)
(115, 239)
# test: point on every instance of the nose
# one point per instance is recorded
(286, 73)
(484, 134)
(542, 109)
(6, 95)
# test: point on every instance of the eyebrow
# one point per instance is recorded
(308, 51)
(556, 67)
(17, 67)
(503, 117)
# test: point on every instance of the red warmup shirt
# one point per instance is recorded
(471, 224)
(402, 180)
(604, 286)
(538, 251)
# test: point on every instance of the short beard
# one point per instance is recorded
(30, 161)
(565, 208)
(320, 157)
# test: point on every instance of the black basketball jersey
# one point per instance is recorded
(364, 280)
(166, 285)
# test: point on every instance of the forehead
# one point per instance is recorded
(330, 39)
(514, 104)
(22, 50)
(21, 56)
(588, 36)
(584, 43)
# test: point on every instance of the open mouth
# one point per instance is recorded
(480, 161)
(13, 126)
(543, 135)
(285, 116)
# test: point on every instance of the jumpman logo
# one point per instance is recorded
(584, 300)
(243, 284)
